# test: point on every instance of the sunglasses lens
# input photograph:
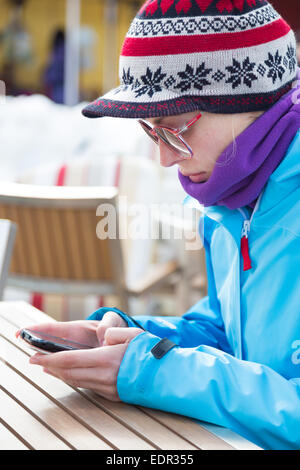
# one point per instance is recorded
(148, 131)
(173, 142)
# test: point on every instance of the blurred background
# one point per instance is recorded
(55, 56)
(33, 36)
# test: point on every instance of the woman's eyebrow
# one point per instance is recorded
(157, 120)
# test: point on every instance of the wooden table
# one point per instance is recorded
(40, 412)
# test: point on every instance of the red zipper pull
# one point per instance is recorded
(245, 246)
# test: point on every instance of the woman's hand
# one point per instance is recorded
(95, 369)
(91, 333)
(109, 320)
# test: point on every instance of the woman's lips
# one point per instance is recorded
(200, 178)
(197, 178)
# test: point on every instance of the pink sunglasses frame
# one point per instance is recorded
(176, 132)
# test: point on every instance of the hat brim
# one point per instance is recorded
(128, 107)
(122, 103)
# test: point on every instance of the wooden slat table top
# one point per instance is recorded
(38, 411)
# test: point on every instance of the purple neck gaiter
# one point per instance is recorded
(245, 166)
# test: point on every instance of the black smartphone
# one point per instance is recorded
(49, 344)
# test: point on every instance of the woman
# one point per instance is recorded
(55, 70)
(223, 75)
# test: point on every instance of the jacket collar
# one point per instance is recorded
(284, 180)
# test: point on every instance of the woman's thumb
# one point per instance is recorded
(109, 320)
(120, 335)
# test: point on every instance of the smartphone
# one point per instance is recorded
(47, 344)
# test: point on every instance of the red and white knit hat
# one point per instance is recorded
(220, 56)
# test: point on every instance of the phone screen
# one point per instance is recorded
(48, 343)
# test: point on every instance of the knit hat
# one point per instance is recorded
(220, 56)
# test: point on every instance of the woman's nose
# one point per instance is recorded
(167, 156)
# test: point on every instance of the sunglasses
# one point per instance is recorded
(171, 137)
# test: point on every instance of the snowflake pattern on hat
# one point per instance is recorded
(193, 78)
(237, 74)
(241, 73)
(151, 82)
(276, 69)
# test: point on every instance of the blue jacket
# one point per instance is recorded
(237, 359)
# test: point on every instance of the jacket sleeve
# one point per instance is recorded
(211, 385)
(201, 324)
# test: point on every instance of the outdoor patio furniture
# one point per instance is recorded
(142, 182)
(57, 250)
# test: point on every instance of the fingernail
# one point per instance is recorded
(33, 360)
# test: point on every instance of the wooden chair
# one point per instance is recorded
(7, 239)
(57, 250)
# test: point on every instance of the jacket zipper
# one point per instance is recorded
(245, 245)
(245, 251)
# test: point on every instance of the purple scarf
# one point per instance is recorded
(236, 182)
